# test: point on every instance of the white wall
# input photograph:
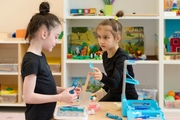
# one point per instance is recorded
(15, 14)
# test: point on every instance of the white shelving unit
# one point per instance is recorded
(150, 72)
(161, 74)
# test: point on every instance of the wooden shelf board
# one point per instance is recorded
(13, 104)
(150, 60)
(108, 17)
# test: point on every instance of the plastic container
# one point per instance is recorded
(146, 92)
(177, 104)
(55, 67)
(9, 96)
(8, 67)
(70, 115)
(172, 104)
(147, 115)
(142, 105)
(169, 103)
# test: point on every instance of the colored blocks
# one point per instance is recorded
(74, 10)
(80, 10)
(86, 11)
(93, 10)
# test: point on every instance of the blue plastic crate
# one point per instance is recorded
(142, 105)
(147, 115)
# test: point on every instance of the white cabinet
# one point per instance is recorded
(149, 14)
(159, 73)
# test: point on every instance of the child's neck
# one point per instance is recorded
(35, 47)
(112, 52)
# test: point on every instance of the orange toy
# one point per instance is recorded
(20, 33)
(171, 93)
(84, 51)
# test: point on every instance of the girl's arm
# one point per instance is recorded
(60, 89)
(114, 80)
(35, 98)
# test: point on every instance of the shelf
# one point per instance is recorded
(171, 111)
(171, 62)
(108, 17)
(151, 60)
(82, 61)
(100, 61)
(13, 104)
(171, 17)
(8, 73)
(56, 73)
(17, 40)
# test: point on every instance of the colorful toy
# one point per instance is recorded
(91, 66)
(134, 105)
(102, 13)
(81, 12)
(94, 106)
(174, 6)
(171, 93)
(172, 99)
(74, 84)
(115, 117)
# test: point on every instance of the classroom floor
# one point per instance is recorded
(17, 113)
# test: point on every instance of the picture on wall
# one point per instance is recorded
(83, 42)
(132, 39)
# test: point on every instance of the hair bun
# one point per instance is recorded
(44, 8)
(120, 13)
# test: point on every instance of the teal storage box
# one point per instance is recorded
(145, 115)
(142, 105)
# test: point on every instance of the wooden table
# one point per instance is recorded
(109, 107)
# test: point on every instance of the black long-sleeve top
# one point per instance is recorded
(114, 69)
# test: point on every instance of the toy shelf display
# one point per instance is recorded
(87, 12)
(83, 45)
(171, 8)
(172, 40)
(172, 99)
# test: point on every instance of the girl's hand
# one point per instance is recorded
(96, 74)
(66, 97)
(77, 90)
